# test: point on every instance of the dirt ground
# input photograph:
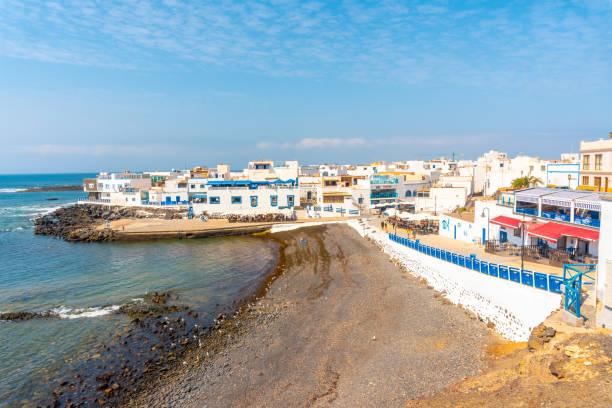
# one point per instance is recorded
(566, 370)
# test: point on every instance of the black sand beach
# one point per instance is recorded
(340, 325)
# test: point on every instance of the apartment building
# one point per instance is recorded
(596, 165)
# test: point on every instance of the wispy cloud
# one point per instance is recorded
(375, 143)
(504, 45)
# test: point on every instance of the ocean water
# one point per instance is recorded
(86, 282)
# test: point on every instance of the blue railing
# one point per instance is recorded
(165, 203)
(529, 278)
(383, 180)
(95, 200)
(586, 221)
(573, 276)
(383, 195)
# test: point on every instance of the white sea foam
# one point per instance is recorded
(11, 190)
(513, 308)
(69, 313)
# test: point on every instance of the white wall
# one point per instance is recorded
(455, 228)
(481, 222)
(441, 200)
(604, 267)
(264, 201)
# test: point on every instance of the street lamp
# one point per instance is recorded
(488, 222)
(569, 180)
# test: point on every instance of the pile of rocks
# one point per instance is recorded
(78, 223)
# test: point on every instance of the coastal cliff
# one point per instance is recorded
(79, 223)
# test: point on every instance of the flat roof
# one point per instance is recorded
(582, 199)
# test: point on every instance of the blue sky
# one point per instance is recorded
(91, 85)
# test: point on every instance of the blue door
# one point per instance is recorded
(455, 232)
(178, 199)
(503, 236)
(168, 199)
(484, 235)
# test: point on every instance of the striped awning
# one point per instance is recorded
(589, 202)
(552, 231)
(507, 222)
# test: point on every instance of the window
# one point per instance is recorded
(193, 186)
(274, 200)
(290, 201)
(201, 185)
(543, 168)
(585, 180)
(236, 200)
(253, 201)
(360, 200)
(215, 200)
(586, 162)
(598, 162)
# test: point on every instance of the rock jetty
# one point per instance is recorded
(80, 223)
(53, 188)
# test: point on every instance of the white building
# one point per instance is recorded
(440, 199)
(246, 197)
(596, 165)
(267, 170)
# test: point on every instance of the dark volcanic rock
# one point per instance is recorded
(53, 188)
(19, 316)
(79, 223)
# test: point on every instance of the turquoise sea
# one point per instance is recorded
(86, 282)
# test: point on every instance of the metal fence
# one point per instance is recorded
(529, 278)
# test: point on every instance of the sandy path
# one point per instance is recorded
(311, 341)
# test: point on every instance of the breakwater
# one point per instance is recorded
(80, 223)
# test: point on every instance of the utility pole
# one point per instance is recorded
(435, 205)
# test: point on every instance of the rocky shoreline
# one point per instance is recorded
(163, 336)
(53, 188)
(79, 223)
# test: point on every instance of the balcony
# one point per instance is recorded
(377, 195)
(383, 180)
(505, 201)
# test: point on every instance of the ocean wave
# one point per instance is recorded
(69, 313)
(28, 210)
(16, 229)
(11, 190)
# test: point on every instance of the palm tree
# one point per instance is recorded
(526, 181)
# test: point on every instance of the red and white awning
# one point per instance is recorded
(507, 222)
(551, 231)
